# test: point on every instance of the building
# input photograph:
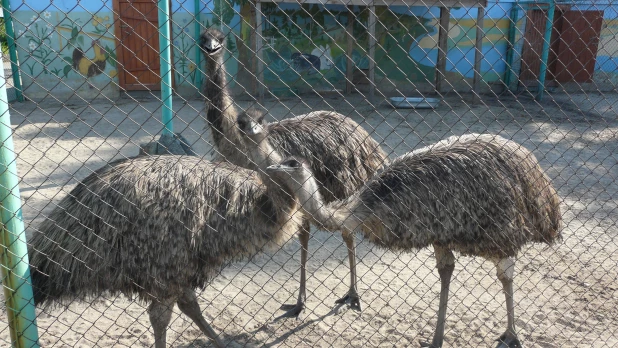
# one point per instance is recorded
(99, 47)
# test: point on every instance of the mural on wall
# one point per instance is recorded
(183, 42)
(304, 44)
(92, 51)
(66, 48)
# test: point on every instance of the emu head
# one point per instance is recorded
(295, 174)
(251, 124)
(212, 41)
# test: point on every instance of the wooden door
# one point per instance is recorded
(579, 43)
(137, 35)
(534, 36)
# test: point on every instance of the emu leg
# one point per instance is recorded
(505, 269)
(160, 313)
(446, 264)
(294, 310)
(351, 297)
(189, 306)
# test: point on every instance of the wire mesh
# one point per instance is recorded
(91, 74)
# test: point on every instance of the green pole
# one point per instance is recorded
(165, 45)
(10, 38)
(511, 46)
(545, 53)
(198, 56)
(14, 252)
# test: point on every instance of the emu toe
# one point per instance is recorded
(425, 344)
(508, 341)
(292, 310)
(352, 300)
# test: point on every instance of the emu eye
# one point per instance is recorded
(261, 119)
(293, 163)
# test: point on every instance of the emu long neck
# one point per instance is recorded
(264, 154)
(221, 111)
(332, 217)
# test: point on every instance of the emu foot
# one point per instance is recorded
(292, 310)
(351, 299)
(425, 344)
(508, 341)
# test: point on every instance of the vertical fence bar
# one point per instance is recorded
(545, 53)
(198, 56)
(510, 52)
(445, 16)
(165, 44)
(14, 251)
(259, 51)
(349, 70)
(478, 54)
(10, 39)
(372, 52)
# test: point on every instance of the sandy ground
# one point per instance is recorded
(565, 295)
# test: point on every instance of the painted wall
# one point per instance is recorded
(49, 37)
(304, 46)
(53, 37)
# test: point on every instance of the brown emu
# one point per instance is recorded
(480, 195)
(341, 153)
(156, 228)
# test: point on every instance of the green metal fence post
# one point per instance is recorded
(14, 252)
(198, 54)
(545, 53)
(165, 44)
(508, 75)
(10, 39)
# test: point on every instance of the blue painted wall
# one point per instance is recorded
(49, 32)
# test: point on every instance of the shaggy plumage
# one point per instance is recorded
(156, 228)
(341, 153)
(480, 195)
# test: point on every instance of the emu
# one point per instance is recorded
(155, 229)
(477, 194)
(341, 153)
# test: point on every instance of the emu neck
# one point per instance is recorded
(314, 207)
(221, 111)
(264, 154)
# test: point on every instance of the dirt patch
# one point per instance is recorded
(565, 295)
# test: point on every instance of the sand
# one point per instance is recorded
(565, 295)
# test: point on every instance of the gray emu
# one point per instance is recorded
(155, 229)
(341, 153)
(480, 195)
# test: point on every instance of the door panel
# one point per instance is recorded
(532, 46)
(138, 44)
(579, 43)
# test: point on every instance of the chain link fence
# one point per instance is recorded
(108, 243)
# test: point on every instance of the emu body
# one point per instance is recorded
(341, 153)
(156, 228)
(480, 195)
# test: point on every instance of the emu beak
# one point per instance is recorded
(256, 128)
(212, 46)
(274, 167)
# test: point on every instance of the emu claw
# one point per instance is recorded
(292, 310)
(508, 341)
(351, 300)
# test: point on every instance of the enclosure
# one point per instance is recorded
(95, 84)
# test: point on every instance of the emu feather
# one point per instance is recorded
(478, 194)
(156, 228)
(341, 153)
